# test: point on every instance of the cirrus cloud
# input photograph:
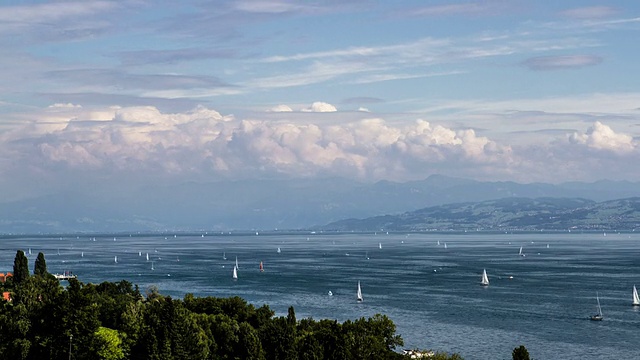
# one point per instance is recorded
(561, 62)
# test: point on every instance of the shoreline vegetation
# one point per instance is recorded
(114, 320)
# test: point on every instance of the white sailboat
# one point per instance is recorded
(520, 252)
(278, 250)
(485, 278)
(445, 245)
(152, 266)
(636, 299)
(237, 267)
(147, 256)
(359, 294)
(115, 259)
(438, 242)
(547, 246)
(235, 273)
(379, 245)
(224, 256)
(598, 315)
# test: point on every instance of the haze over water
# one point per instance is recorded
(431, 293)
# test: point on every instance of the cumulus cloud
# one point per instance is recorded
(561, 62)
(602, 137)
(280, 108)
(319, 106)
(205, 141)
(206, 144)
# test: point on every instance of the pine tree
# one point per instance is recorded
(20, 267)
(40, 267)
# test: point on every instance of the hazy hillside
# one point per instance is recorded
(507, 214)
(269, 204)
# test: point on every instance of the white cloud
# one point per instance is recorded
(590, 12)
(280, 108)
(203, 142)
(319, 106)
(561, 62)
(363, 109)
(602, 137)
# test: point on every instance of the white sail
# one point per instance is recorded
(445, 245)
(235, 273)
(237, 267)
(636, 299)
(359, 293)
(485, 278)
(520, 252)
(379, 245)
(152, 266)
(115, 259)
(278, 250)
(147, 256)
(224, 256)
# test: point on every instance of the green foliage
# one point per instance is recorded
(20, 267)
(520, 353)
(40, 267)
(108, 344)
(113, 321)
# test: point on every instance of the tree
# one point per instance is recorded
(40, 267)
(108, 344)
(520, 353)
(20, 267)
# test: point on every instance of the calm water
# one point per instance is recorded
(431, 293)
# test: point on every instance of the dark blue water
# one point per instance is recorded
(431, 293)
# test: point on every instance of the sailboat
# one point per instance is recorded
(379, 245)
(237, 267)
(445, 245)
(115, 259)
(235, 273)
(636, 299)
(147, 256)
(278, 250)
(438, 242)
(485, 278)
(359, 294)
(520, 252)
(261, 267)
(547, 246)
(152, 266)
(598, 316)
(82, 254)
(224, 256)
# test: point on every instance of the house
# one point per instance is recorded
(416, 354)
(4, 277)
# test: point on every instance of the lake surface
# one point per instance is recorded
(432, 294)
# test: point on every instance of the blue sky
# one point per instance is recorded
(134, 91)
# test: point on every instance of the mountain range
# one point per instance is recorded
(507, 214)
(270, 204)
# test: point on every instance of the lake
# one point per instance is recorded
(542, 300)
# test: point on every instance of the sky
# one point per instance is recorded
(137, 92)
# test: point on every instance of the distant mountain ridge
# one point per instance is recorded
(268, 204)
(507, 214)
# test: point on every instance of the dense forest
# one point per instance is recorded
(114, 320)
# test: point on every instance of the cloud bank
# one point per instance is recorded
(203, 142)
